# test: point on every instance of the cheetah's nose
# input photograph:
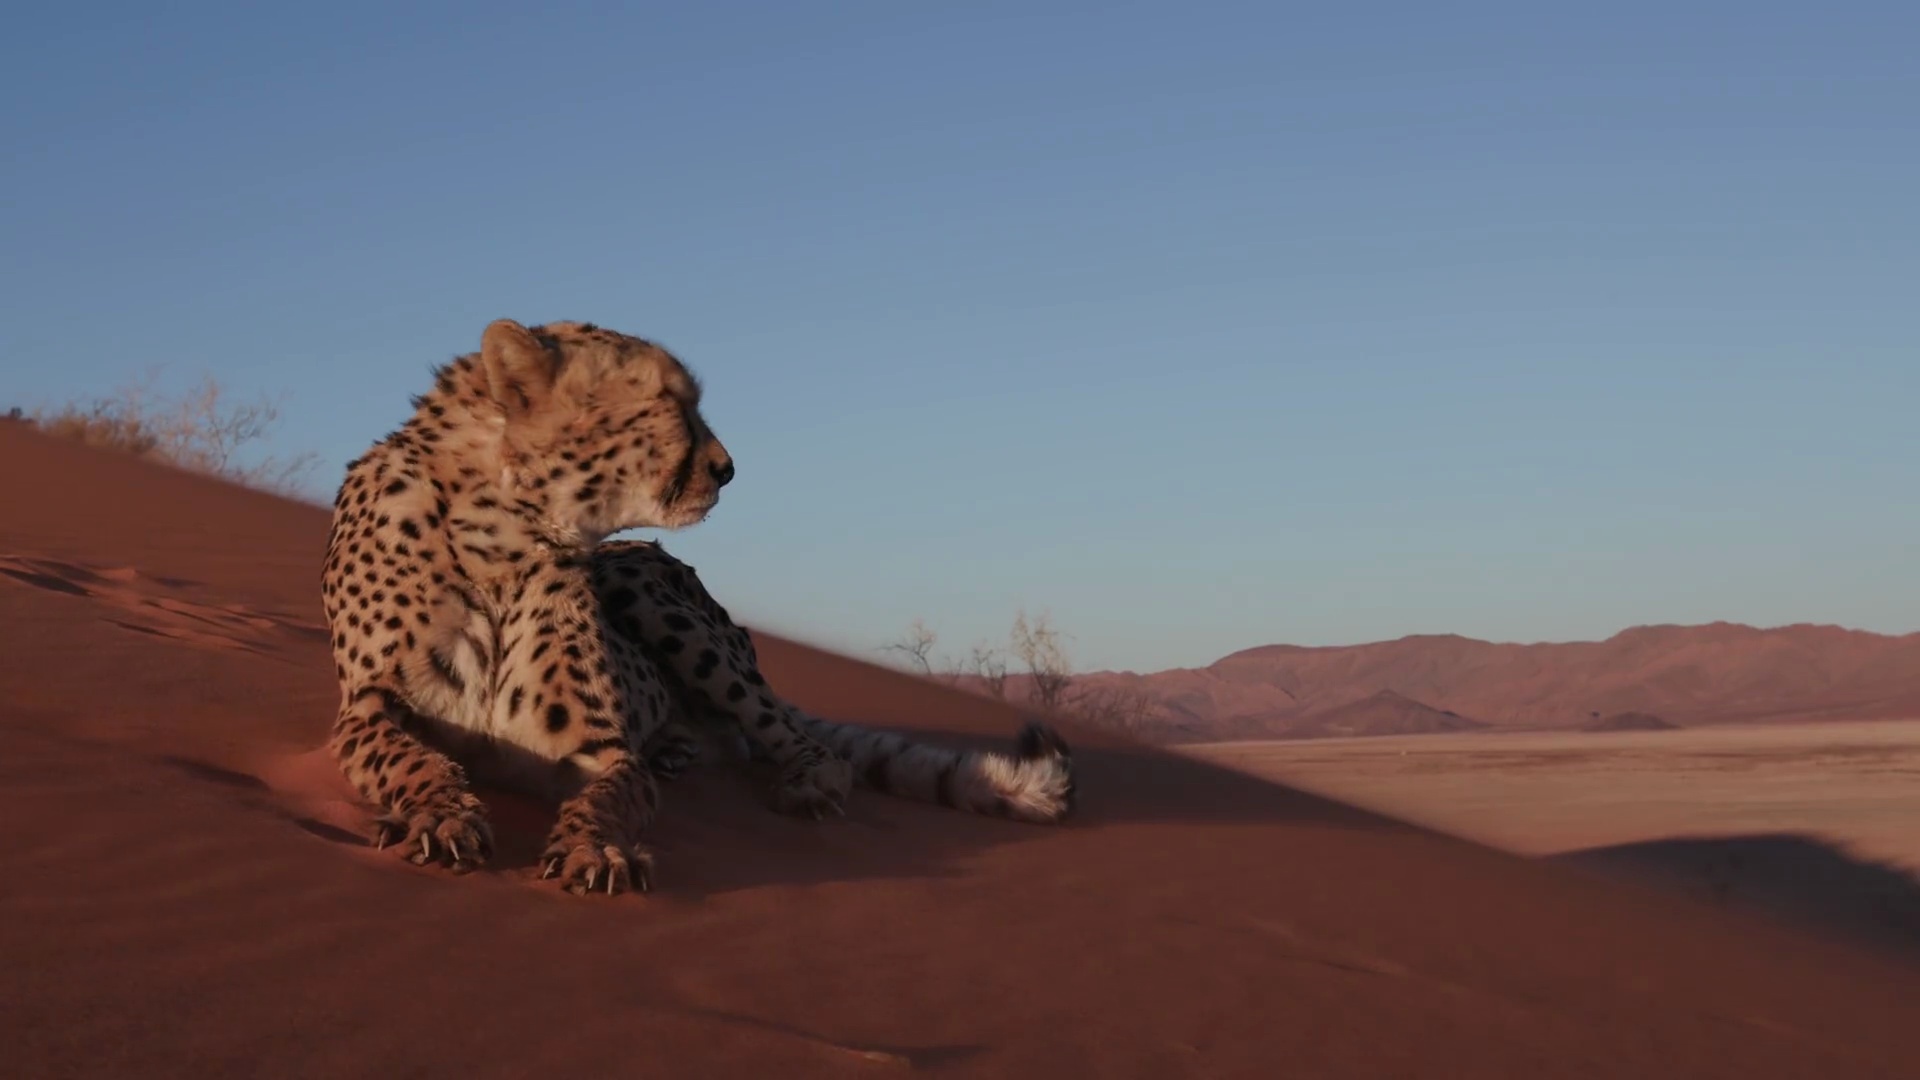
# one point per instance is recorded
(721, 472)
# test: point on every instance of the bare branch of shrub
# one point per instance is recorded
(916, 646)
(988, 667)
(1039, 648)
(1048, 679)
(202, 430)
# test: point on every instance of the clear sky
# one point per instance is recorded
(1201, 326)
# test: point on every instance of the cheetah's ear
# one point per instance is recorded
(520, 370)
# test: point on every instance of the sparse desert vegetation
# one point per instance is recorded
(1032, 666)
(202, 429)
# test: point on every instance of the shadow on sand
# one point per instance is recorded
(718, 834)
(1794, 878)
(716, 831)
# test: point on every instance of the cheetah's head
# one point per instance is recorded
(601, 431)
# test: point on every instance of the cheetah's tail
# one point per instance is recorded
(1033, 784)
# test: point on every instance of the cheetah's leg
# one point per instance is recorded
(595, 844)
(591, 703)
(655, 601)
(429, 811)
(654, 598)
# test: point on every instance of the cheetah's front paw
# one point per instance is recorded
(586, 867)
(453, 832)
(814, 789)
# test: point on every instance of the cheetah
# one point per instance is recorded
(484, 625)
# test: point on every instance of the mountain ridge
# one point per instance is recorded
(1683, 674)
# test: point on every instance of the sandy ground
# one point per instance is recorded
(1819, 822)
(187, 891)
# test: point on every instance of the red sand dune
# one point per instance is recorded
(1686, 675)
(187, 893)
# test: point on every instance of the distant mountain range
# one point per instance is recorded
(1643, 678)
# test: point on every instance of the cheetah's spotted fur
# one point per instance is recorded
(480, 622)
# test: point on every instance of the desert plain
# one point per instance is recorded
(1812, 823)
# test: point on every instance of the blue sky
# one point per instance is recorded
(1200, 326)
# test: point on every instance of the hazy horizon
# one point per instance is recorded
(1202, 328)
(1515, 642)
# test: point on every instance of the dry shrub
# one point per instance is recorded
(1046, 675)
(202, 430)
(916, 647)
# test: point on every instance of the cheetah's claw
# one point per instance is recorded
(592, 867)
(457, 836)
